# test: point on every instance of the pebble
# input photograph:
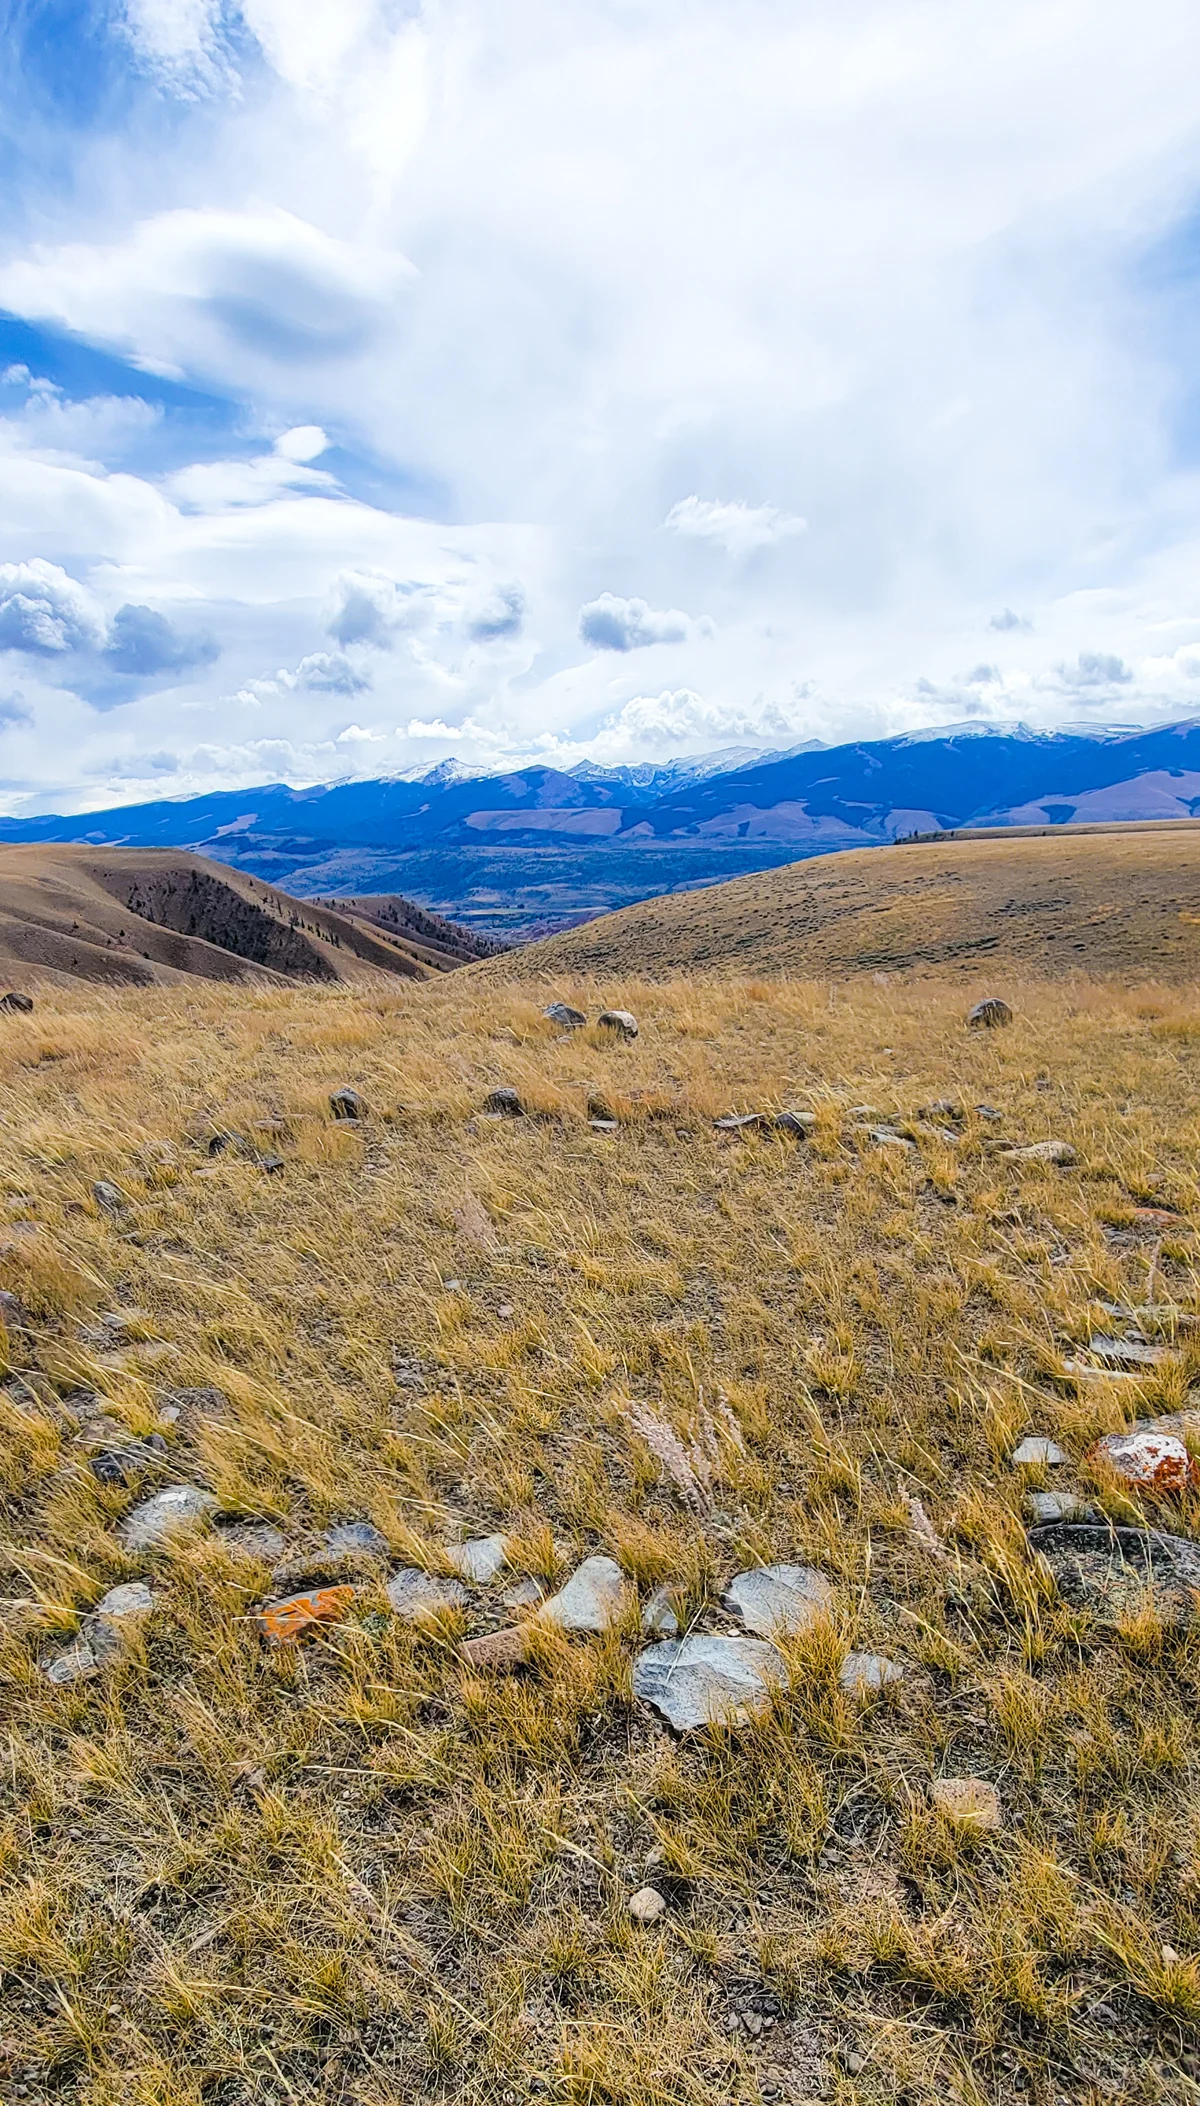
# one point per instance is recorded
(347, 1104)
(988, 1111)
(989, 1013)
(1158, 1463)
(703, 1680)
(479, 1559)
(620, 1021)
(562, 1013)
(658, 1617)
(109, 1196)
(970, 1802)
(593, 1599)
(778, 1599)
(1035, 1448)
(1057, 1506)
(861, 1673)
(173, 1508)
(413, 1593)
(506, 1102)
(885, 1138)
(126, 1464)
(647, 1905)
(604, 1126)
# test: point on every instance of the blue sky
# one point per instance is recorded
(381, 380)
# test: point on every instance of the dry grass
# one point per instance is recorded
(354, 1870)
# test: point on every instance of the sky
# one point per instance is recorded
(537, 380)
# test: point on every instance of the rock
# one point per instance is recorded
(703, 1680)
(500, 1651)
(125, 1464)
(593, 1599)
(647, 1905)
(357, 1535)
(1128, 1352)
(800, 1123)
(988, 1111)
(620, 1021)
(479, 1559)
(413, 1594)
(862, 1673)
(885, 1138)
(1035, 1448)
(116, 1618)
(989, 1013)
(1157, 1463)
(970, 1802)
(608, 1126)
(778, 1599)
(1107, 1568)
(155, 1519)
(226, 1139)
(658, 1617)
(77, 1664)
(562, 1013)
(1056, 1506)
(347, 1104)
(744, 1122)
(1058, 1152)
(944, 1108)
(525, 1595)
(109, 1196)
(505, 1102)
(271, 1165)
(12, 999)
(283, 1622)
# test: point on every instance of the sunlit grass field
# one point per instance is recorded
(358, 1869)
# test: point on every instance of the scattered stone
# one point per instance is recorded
(500, 1651)
(988, 1111)
(863, 1673)
(109, 1196)
(357, 1535)
(798, 1123)
(618, 1020)
(658, 1617)
(1057, 1506)
(413, 1594)
(1128, 1352)
(505, 1312)
(864, 1112)
(593, 1599)
(116, 1618)
(78, 1663)
(970, 1802)
(778, 1599)
(562, 1013)
(1035, 1448)
(479, 1559)
(989, 1013)
(885, 1138)
(1058, 1152)
(192, 1405)
(703, 1680)
(525, 1595)
(177, 1506)
(647, 1905)
(347, 1104)
(226, 1138)
(283, 1622)
(506, 1102)
(124, 1465)
(12, 999)
(271, 1165)
(943, 1108)
(1157, 1463)
(609, 1126)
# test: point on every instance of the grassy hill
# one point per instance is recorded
(1123, 901)
(147, 916)
(362, 1866)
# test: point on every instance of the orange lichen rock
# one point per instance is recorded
(285, 1621)
(1153, 1462)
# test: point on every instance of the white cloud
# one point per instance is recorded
(737, 528)
(612, 624)
(43, 610)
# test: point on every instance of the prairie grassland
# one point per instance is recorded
(356, 1870)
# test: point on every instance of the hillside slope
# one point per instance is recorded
(145, 915)
(1122, 901)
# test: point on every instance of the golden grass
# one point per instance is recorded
(356, 1870)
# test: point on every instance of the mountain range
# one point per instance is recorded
(538, 847)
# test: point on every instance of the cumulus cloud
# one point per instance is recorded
(142, 642)
(737, 528)
(370, 607)
(612, 624)
(45, 611)
(680, 721)
(502, 614)
(330, 673)
(1093, 669)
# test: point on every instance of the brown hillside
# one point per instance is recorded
(142, 915)
(1123, 901)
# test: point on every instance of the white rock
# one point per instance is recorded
(1056, 1506)
(1155, 1462)
(479, 1559)
(863, 1672)
(647, 1905)
(618, 1020)
(594, 1598)
(1128, 1352)
(777, 1599)
(703, 1680)
(1060, 1152)
(1035, 1448)
(77, 1664)
(175, 1507)
(658, 1617)
(116, 1617)
(413, 1593)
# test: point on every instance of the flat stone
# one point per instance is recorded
(525, 1595)
(109, 1196)
(988, 1111)
(1157, 1463)
(608, 1126)
(1056, 1506)
(176, 1507)
(593, 1599)
(479, 1559)
(970, 1802)
(989, 1013)
(800, 1123)
(744, 1122)
(620, 1021)
(562, 1013)
(357, 1535)
(78, 1663)
(703, 1680)
(1128, 1352)
(12, 999)
(778, 1599)
(500, 1651)
(506, 1102)
(347, 1104)
(658, 1617)
(861, 1673)
(413, 1593)
(885, 1138)
(647, 1905)
(116, 1618)
(1035, 1448)
(283, 1622)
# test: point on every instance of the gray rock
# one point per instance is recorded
(1128, 1352)
(944, 1108)
(562, 1013)
(744, 1122)
(413, 1593)
(116, 1618)
(226, 1140)
(479, 1559)
(1035, 1448)
(347, 1104)
(271, 1165)
(1060, 1153)
(177, 1506)
(125, 1464)
(1057, 1506)
(357, 1535)
(109, 1196)
(609, 1126)
(989, 1013)
(658, 1617)
(78, 1663)
(988, 1111)
(885, 1138)
(861, 1673)
(777, 1599)
(525, 1595)
(594, 1598)
(800, 1123)
(192, 1405)
(702, 1680)
(506, 1102)
(620, 1021)
(12, 999)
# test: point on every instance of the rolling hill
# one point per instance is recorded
(143, 916)
(1123, 901)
